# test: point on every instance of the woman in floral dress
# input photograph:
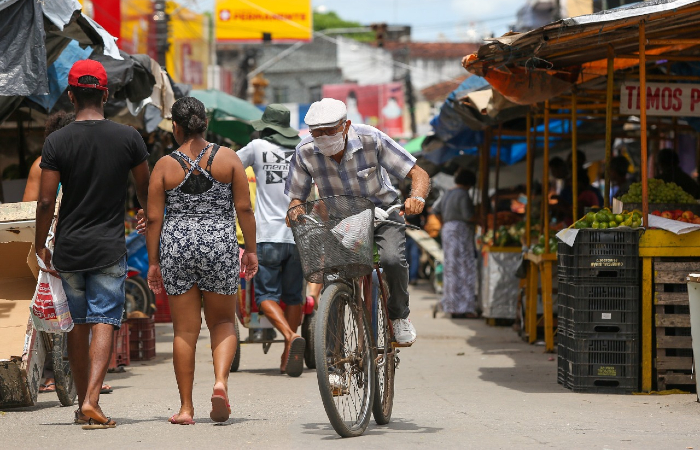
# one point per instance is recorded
(194, 251)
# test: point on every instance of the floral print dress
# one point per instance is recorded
(198, 243)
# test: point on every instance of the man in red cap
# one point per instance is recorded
(91, 159)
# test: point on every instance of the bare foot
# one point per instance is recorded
(184, 417)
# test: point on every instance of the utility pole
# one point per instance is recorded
(411, 101)
(162, 22)
(556, 13)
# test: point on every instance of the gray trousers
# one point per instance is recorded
(391, 241)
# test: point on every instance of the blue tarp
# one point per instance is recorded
(449, 126)
(58, 74)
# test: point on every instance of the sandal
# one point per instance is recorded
(51, 387)
(220, 408)
(106, 389)
(95, 425)
(295, 357)
(78, 420)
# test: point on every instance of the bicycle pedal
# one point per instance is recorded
(397, 345)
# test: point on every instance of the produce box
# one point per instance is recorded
(619, 206)
(22, 351)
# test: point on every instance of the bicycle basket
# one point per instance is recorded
(334, 235)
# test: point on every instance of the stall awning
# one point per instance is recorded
(537, 65)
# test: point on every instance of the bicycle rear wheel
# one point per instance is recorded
(386, 366)
(344, 360)
(65, 386)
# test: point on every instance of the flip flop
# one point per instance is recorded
(295, 358)
(220, 408)
(95, 425)
(78, 420)
(174, 421)
(51, 387)
(106, 389)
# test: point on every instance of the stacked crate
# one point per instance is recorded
(674, 351)
(599, 312)
(142, 340)
(120, 349)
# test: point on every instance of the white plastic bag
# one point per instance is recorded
(49, 306)
(352, 231)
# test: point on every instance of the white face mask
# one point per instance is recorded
(330, 145)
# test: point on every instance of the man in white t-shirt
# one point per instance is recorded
(279, 275)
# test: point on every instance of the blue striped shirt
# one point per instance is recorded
(370, 156)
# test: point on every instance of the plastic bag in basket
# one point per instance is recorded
(352, 231)
(49, 306)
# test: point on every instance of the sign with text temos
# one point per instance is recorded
(663, 99)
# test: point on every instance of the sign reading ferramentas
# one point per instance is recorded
(250, 20)
(663, 99)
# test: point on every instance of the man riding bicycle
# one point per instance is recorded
(347, 159)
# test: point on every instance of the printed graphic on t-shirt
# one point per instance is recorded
(276, 166)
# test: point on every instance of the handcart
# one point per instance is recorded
(261, 331)
(23, 350)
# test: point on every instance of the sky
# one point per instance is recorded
(431, 20)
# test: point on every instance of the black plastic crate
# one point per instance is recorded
(602, 362)
(562, 359)
(601, 256)
(608, 308)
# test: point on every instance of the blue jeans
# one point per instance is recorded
(279, 274)
(96, 296)
(413, 257)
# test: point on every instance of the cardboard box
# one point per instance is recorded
(22, 349)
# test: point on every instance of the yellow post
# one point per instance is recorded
(608, 122)
(574, 154)
(533, 280)
(545, 178)
(530, 296)
(546, 276)
(647, 325)
(546, 272)
(643, 120)
(528, 178)
(647, 318)
(498, 170)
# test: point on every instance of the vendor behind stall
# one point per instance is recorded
(619, 169)
(671, 171)
(587, 197)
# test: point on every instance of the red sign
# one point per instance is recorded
(379, 105)
(663, 99)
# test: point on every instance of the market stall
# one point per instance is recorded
(575, 76)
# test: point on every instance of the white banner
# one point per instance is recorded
(663, 99)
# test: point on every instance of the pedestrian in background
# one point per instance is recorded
(456, 212)
(279, 277)
(91, 158)
(194, 251)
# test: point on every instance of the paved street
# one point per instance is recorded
(462, 385)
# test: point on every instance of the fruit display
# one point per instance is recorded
(505, 236)
(603, 219)
(681, 216)
(659, 192)
(538, 249)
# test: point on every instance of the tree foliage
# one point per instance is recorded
(329, 20)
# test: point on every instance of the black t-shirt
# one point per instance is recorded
(94, 158)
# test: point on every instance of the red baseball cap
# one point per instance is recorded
(88, 67)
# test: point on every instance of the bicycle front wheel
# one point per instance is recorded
(344, 360)
(386, 366)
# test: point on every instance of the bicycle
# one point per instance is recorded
(355, 350)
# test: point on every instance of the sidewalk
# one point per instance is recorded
(462, 385)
